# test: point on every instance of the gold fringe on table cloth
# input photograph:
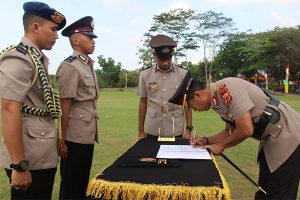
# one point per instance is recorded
(129, 190)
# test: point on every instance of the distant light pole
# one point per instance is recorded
(126, 80)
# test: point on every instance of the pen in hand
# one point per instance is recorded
(194, 137)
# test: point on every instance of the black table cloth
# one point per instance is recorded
(192, 179)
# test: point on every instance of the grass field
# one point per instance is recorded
(118, 131)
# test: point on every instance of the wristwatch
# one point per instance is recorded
(206, 140)
(23, 165)
(190, 127)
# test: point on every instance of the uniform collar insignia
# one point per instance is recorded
(172, 67)
(82, 58)
(214, 96)
(215, 101)
(36, 52)
(158, 69)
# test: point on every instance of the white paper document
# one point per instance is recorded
(182, 152)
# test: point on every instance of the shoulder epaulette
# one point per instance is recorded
(22, 47)
(183, 67)
(70, 59)
(146, 67)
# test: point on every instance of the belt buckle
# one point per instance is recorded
(164, 108)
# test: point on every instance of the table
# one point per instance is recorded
(193, 179)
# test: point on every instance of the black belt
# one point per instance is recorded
(270, 115)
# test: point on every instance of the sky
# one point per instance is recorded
(120, 24)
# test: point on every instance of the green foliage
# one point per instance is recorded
(111, 75)
(132, 78)
(53, 81)
(176, 24)
(108, 75)
(211, 28)
(145, 52)
(270, 51)
(187, 28)
(197, 70)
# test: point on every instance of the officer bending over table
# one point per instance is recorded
(250, 111)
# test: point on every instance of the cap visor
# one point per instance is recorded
(90, 34)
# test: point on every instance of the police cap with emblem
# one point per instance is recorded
(163, 46)
(84, 25)
(184, 89)
(44, 11)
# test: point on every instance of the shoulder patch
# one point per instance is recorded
(183, 67)
(22, 48)
(70, 59)
(146, 67)
(225, 94)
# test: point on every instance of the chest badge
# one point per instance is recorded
(153, 85)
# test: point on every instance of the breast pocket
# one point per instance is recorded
(40, 147)
(152, 89)
(89, 82)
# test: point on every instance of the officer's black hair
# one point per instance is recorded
(28, 19)
(195, 86)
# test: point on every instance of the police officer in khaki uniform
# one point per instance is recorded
(250, 111)
(28, 147)
(79, 92)
(157, 84)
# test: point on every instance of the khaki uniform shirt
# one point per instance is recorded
(232, 97)
(17, 72)
(77, 80)
(158, 87)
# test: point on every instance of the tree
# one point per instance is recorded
(213, 27)
(235, 56)
(132, 78)
(197, 70)
(270, 51)
(145, 52)
(108, 75)
(175, 24)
